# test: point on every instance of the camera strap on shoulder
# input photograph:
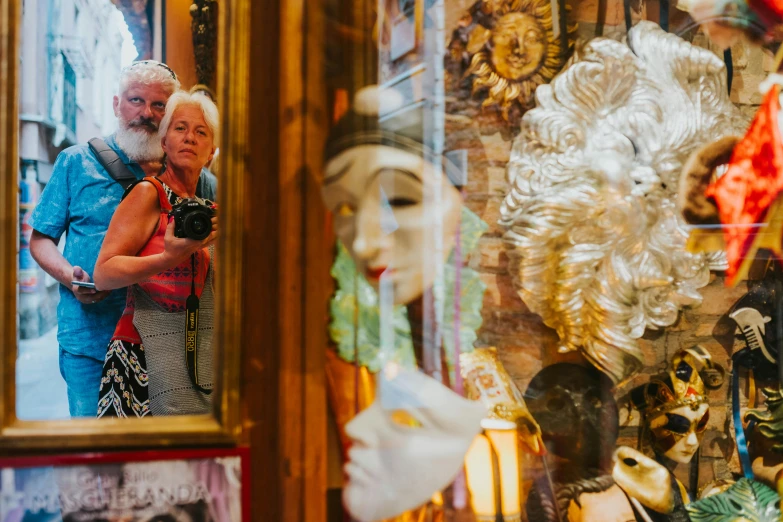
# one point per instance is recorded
(111, 161)
(191, 329)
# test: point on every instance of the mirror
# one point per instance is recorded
(116, 295)
(103, 279)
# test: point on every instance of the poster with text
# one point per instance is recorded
(110, 488)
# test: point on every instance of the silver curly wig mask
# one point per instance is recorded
(596, 243)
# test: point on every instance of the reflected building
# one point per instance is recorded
(70, 65)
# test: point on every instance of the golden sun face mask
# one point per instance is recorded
(506, 49)
(518, 46)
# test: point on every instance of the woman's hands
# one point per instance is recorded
(137, 219)
(179, 249)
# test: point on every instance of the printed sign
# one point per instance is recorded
(182, 486)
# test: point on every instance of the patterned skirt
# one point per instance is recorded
(124, 391)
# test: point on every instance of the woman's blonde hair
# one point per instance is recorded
(207, 106)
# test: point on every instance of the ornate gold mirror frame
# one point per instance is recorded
(224, 426)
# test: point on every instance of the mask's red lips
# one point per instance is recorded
(375, 273)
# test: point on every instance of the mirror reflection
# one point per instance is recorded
(117, 208)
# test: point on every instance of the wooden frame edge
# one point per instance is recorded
(10, 31)
(224, 427)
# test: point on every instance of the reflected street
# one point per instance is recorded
(41, 393)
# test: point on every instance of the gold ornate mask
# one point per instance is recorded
(508, 48)
(675, 407)
(518, 46)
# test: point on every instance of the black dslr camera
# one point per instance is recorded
(192, 219)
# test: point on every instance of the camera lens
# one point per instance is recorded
(197, 225)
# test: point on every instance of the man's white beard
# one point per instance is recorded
(139, 144)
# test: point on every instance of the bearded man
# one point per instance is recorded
(79, 200)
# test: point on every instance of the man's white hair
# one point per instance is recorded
(207, 106)
(149, 72)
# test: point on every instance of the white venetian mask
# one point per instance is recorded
(395, 213)
(408, 445)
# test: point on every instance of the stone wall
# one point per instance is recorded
(524, 342)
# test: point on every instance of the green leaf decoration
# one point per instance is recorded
(746, 501)
(472, 299)
(471, 229)
(353, 289)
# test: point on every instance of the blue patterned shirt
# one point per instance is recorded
(79, 200)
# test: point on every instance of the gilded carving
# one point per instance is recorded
(204, 29)
(486, 380)
(508, 48)
(769, 420)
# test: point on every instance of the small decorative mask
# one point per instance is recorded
(397, 211)
(650, 485)
(508, 48)
(754, 315)
(675, 407)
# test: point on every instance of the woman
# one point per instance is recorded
(147, 368)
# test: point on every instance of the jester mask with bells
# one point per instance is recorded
(674, 408)
(596, 244)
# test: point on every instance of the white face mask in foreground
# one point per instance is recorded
(408, 445)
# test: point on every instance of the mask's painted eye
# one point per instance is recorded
(404, 418)
(401, 202)
(677, 424)
(344, 210)
(702, 425)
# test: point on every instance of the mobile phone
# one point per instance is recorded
(83, 284)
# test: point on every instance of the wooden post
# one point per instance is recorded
(287, 261)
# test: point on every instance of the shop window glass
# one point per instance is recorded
(567, 215)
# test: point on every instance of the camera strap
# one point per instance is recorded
(191, 329)
(111, 161)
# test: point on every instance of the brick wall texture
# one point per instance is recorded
(525, 344)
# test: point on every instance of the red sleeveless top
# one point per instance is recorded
(170, 288)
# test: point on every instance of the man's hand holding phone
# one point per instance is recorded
(84, 289)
